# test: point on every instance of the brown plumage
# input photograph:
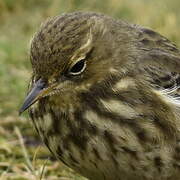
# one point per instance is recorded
(106, 98)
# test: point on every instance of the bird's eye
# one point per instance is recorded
(78, 68)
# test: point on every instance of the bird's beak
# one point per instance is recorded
(39, 90)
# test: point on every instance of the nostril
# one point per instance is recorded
(41, 83)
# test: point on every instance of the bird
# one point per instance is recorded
(104, 97)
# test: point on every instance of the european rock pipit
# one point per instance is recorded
(104, 97)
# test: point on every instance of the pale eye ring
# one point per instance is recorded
(78, 67)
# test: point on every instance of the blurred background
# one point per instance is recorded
(22, 156)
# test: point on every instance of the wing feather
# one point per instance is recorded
(160, 62)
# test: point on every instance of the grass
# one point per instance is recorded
(22, 156)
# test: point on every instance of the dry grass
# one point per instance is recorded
(22, 156)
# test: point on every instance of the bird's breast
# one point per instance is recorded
(76, 140)
(92, 143)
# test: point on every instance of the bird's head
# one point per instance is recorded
(73, 52)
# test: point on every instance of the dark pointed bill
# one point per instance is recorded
(33, 95)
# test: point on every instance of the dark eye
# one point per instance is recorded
(78, 68)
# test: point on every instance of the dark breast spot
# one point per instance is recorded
(177, 149)
(115, 161)
(96, 153)
(158, 162)
(111, 140)
(31, 114)
(142, 136)
(75, 161)
(131, 152)
(85, 124)
(176, 155)
(132, 167)
(79, 139)
(176, 165)
(59, 151)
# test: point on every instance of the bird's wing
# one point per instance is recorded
(160, 62)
